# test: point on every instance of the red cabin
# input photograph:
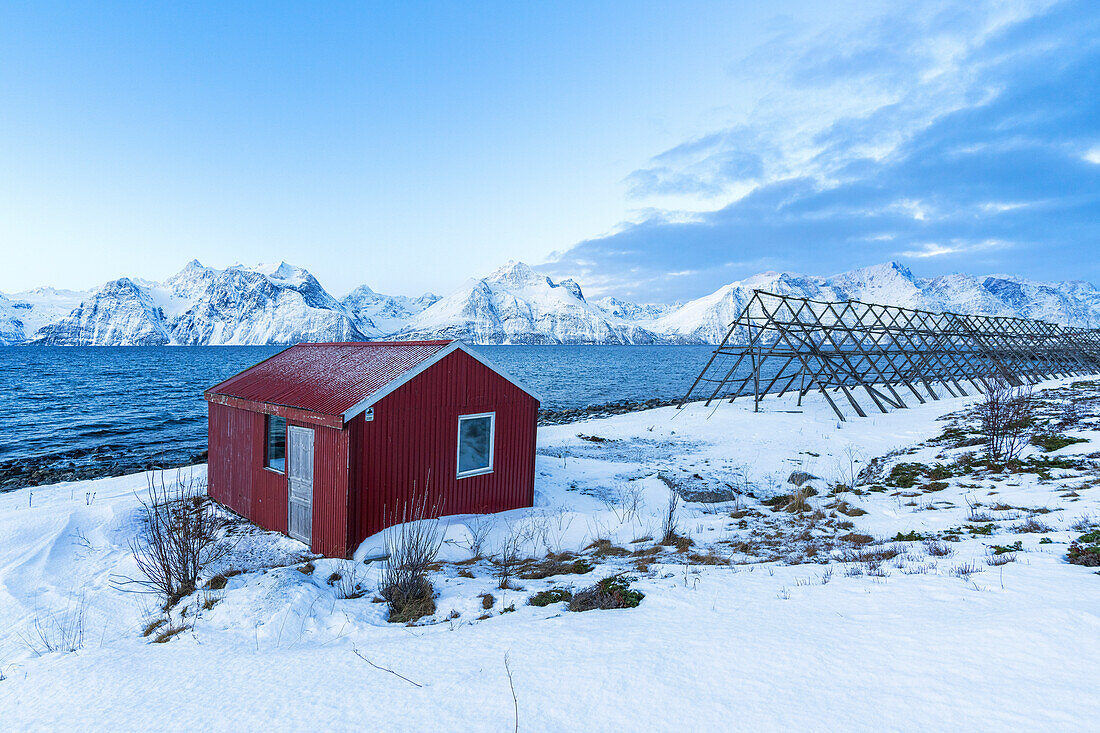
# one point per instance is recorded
(329, 442)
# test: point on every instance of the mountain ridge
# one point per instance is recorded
(280, 303)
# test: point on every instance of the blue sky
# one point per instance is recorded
(651, 151)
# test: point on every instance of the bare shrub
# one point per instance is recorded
(479, 527)
(511, 554)
(1084, 523)
(61, 631)
(412, 546)
(550, 527)
(1003, 558)
(347, 584)
(624, 500)
(669, 523)
(847, 469)
(1032, 525)
(965, 570)
(799, 501)
(936, 548)
(179, 538)
(1007, 414)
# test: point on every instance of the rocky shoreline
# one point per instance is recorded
(93, 463)
(104, 461)
(578, 414)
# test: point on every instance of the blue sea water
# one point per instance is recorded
(144, 404)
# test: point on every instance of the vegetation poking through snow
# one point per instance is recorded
(181, 529)
(555, 564)
(1085, 550)
(611, 592)
(1051, 443)
(170, 633)
(547, 597)
(61, 631)
(412, 547)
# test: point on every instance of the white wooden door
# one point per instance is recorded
(299, 474)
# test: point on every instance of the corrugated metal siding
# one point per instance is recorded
(412, 442)
(327, 378)
(238, 479)
(330, 491)
(236, 475)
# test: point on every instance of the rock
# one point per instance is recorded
(695, 489)
(800, 477)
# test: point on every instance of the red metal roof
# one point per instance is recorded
(329, 378)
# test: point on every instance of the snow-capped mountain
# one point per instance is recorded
(707, 319)
(267, 304)
(383, 314)
(1074, 302)
(634, 311)
(121, 313)
(516, 305)
(21, 314)
(281, 303)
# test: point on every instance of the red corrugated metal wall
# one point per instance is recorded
(237, 478)
(330, 491)
(236, 475)
(413, 441)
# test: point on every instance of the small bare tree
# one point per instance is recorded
(180, 536)
(847, 469)
(549, 528)
(669, 523)
(625, 500)
(512, 553)
(412, 546)
(479, 527)
(1007, 415)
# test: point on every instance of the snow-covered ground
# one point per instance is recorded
(770, 619)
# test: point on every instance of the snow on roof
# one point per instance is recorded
(330, 378)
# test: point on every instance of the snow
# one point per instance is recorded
(22, 314)
(266, 304)
(516, 305)
(759, 644)
(284, 303)
(385, 314)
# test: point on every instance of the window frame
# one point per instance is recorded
(492, 441)
(267, 443)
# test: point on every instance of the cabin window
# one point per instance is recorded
(275, 443)
(475, 444)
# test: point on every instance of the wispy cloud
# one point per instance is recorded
(953, 134)
(936, 249)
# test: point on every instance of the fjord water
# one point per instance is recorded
(144, 405)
